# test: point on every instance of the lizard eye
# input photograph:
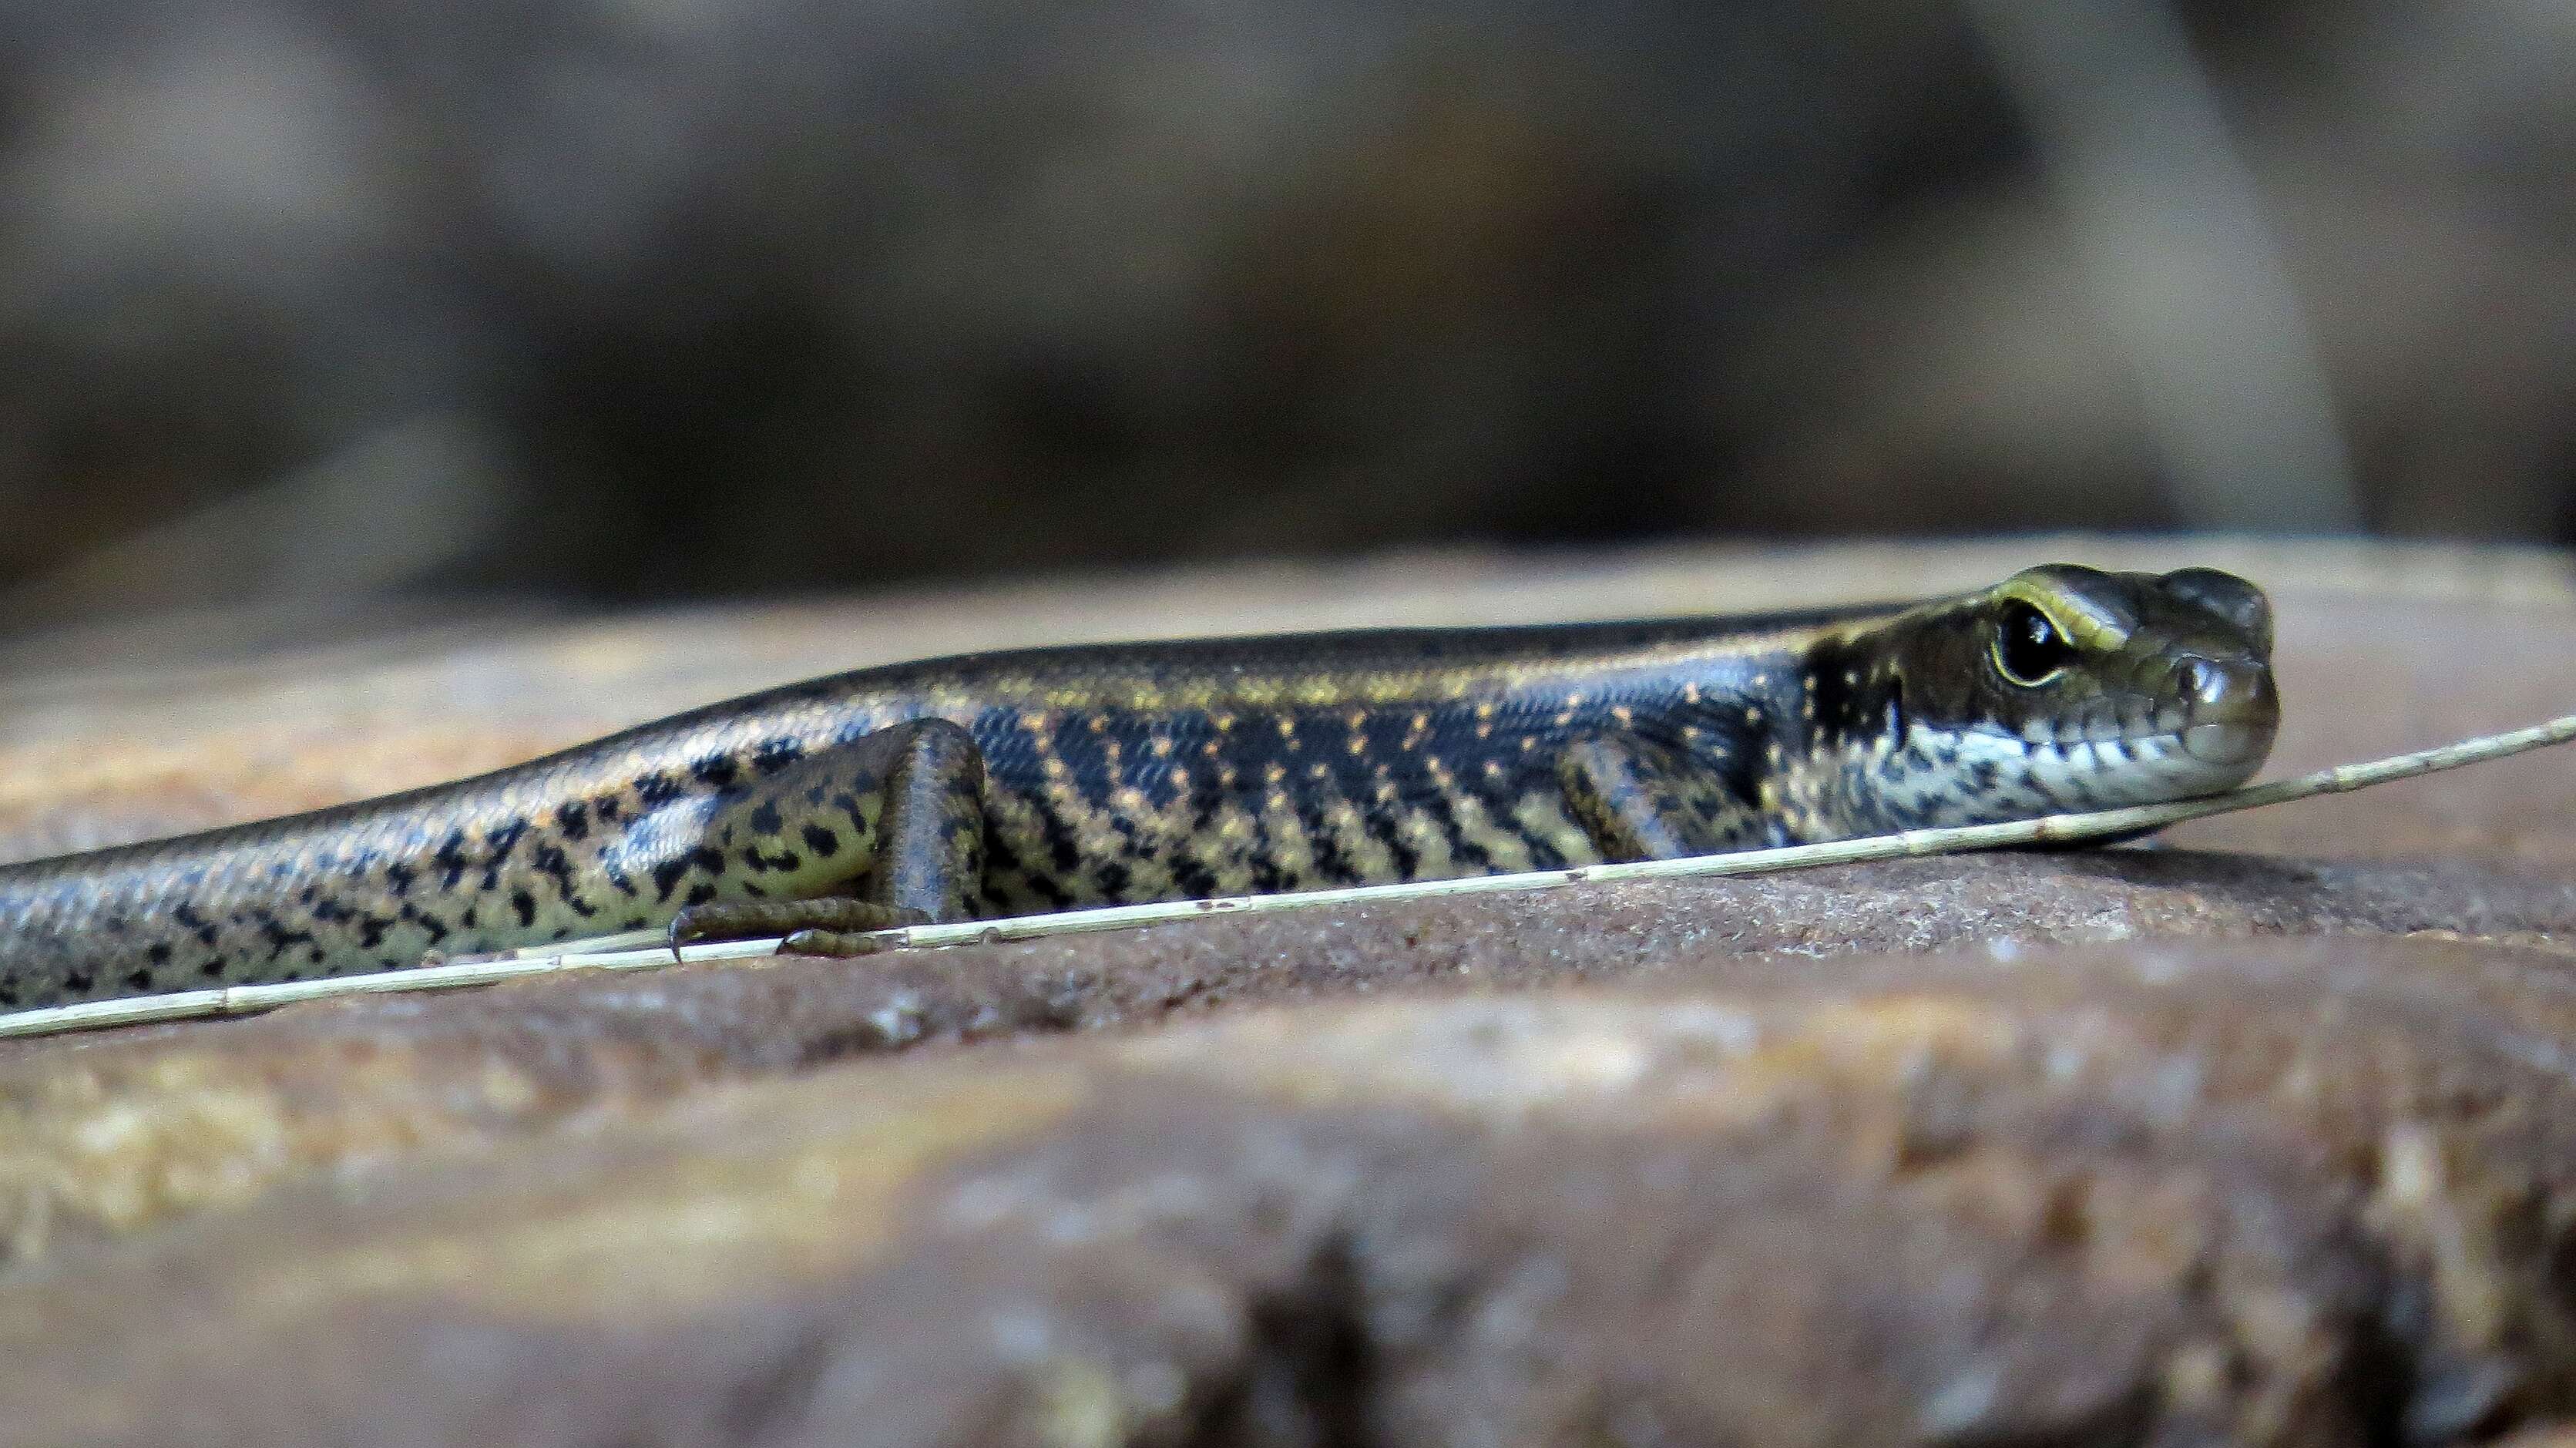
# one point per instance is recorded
(2029, 650)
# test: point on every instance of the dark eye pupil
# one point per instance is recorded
(2030, 648)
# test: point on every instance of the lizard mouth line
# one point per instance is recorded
(2218, 743)
(2219, 746)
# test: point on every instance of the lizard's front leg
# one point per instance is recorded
(1640, 800)
(924, 858)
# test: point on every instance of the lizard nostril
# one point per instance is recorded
(2207, 685)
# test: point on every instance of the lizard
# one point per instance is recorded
(1044, 779)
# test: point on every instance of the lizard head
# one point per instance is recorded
(2071, 688)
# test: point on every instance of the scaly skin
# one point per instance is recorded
(1038, 780)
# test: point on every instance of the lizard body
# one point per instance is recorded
(1042, 779)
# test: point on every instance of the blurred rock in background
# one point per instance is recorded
(310, 309)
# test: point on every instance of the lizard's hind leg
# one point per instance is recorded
(905, 805)
(1640, 800)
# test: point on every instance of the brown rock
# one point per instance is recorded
(2261, 1192)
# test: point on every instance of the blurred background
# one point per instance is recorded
(314, 310)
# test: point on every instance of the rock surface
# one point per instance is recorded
(2265, 1192)
(2262, 1135)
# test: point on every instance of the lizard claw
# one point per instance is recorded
(833, 944)
(800, 920)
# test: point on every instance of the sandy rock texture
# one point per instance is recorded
(2260, 1135)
